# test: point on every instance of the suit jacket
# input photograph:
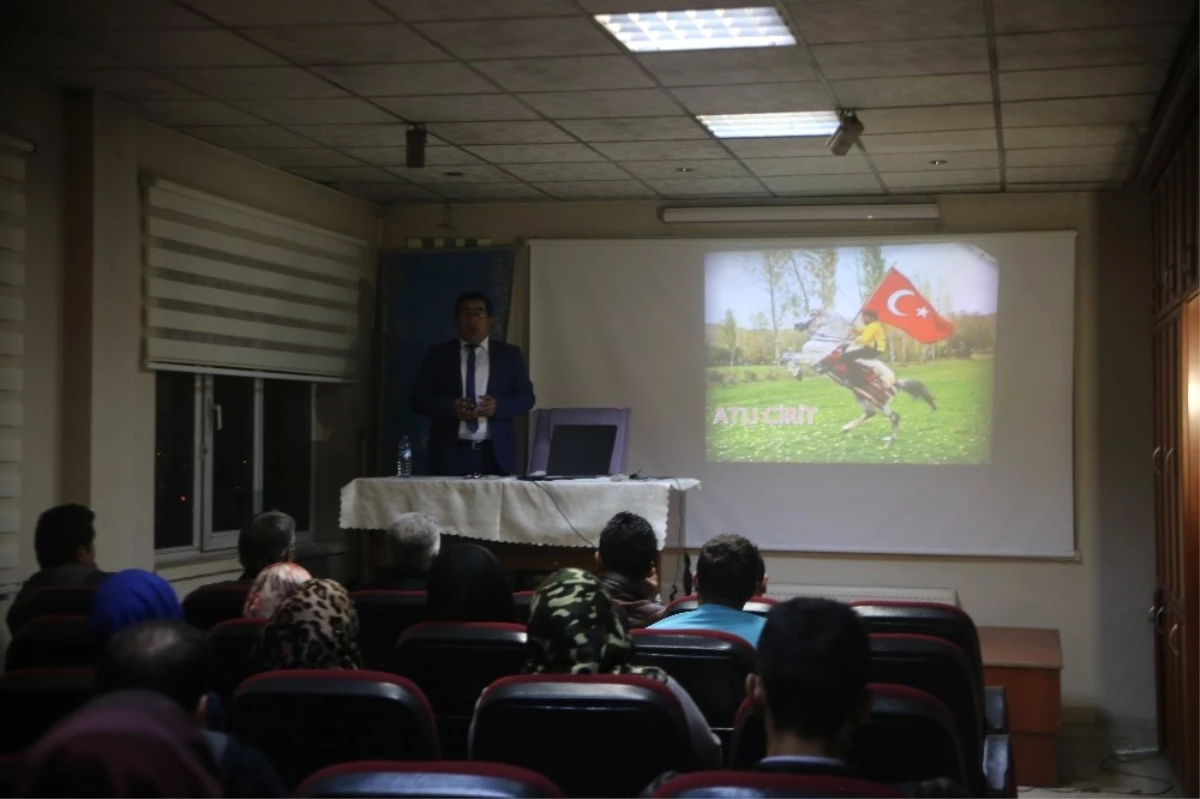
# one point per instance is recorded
(440, 383)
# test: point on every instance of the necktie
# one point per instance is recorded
(472, 425)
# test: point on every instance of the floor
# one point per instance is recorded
(1088, 768)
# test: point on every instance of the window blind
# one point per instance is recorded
(230, 287)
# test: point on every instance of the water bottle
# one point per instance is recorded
(404, 457)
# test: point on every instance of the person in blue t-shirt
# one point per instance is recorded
(729, 572)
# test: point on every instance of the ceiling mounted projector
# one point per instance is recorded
(846, 136)
(414, 154)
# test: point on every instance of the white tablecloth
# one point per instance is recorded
(555, 513)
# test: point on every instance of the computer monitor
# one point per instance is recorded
(581, 450)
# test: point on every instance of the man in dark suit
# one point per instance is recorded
(472, 388)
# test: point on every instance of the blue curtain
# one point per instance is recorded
(416, 294)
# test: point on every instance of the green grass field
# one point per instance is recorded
(959, 432)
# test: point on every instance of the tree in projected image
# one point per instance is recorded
(729, 331)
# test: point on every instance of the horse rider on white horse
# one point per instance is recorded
(869, 345)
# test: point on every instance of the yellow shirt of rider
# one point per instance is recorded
(872, 336)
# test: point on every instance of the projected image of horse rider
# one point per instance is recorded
(870, 345)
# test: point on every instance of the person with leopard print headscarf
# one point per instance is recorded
(315, 628)
(574, 629)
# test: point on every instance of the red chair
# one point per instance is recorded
(760, 604)
(382, 617)
(209, 605)
(52, 642)
(748, 785)
(594, 735)
(453, 663)
(233, 643)
(305, 720)
(470, 780)
(55, 600)
(34, 700)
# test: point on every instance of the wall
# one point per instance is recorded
(1098, 603)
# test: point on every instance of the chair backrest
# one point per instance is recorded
(522, 604)
(306, 719)
(760, 605)
(594, 735)
(543, 421)
(382, 617)
(209, 605)
(711, 665)
(911, 736)
(925, 618)
(437, 780)
(749, 785)
(233, 642)
(58, 600)
(10, 769)
(52, 641)
(34, 700)
(453, 662)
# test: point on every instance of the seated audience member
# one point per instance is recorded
(131, 597)
(314, 628)
(273, 584)
(266, 539)
(729, 572)
(625, 562)
(467, 583)
(413, 541)
(177, 661)
(64, 541)
(129, 743)
(574, 629)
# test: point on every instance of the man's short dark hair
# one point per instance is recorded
(729, 570)
(813, 658)
(870, 316)
(265, 539)
(60, 532)
(165, 656)
(469, 296)
(628, 545)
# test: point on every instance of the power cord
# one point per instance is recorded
(562, 513)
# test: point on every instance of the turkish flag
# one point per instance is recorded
(899, 304)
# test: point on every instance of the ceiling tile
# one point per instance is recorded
(1087, 48)
(133, 84)
(566, 74)
(777, 147)
(491, 191)
(97, 14)
(418, 10)
(733, 65)
(732, 187)
(349, 110)
(547, 36)
(636, 129)
(1086, 82)
(662, 150)
(194, 112)
(1085, 111)
(499, 133)
(897, 59)
(1070, 156)
(347, 44)
(872, 20)
(924, 90)
(586, 105)
(395, 156)
(808, 165)
(297, 156)
(1064, 187)
(619, 6)
(182, 48)
(331, 174)
(247, 136)
(289, 12)
(1070, 136)
(457, 108)
(974, 188)
(940, 177)
(1065, 174)
(47, 50)
(765, 98)
(402, 80)
(696, 169)
(481, 173)
(1019, 16)
(581, 190)
(357, 135)
(535, 153)
(256, 84)
(387, 192)
(920, 162)
(927, 118)
(556, 173)
(824, 184)
(932, 142)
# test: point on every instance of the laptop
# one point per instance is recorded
(581, 450)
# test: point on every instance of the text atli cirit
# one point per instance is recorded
(770, 415)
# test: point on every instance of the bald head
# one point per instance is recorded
(165, 656)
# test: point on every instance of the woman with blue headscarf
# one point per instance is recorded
(131, 597)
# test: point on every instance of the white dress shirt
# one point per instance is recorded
(481, 384)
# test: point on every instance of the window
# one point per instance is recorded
(227, 447)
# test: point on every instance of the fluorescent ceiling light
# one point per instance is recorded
(656, 31)
(799, 213)
(742, 126)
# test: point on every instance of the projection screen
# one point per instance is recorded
(891, 395)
